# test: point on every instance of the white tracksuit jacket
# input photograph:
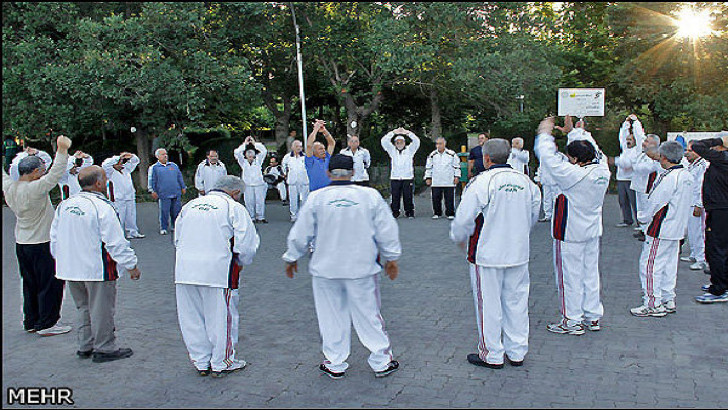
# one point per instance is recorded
(214, 237)
(624, 160)
(402, 161)
(697, 170)
(518, 159)
(47, 160)
(668, 204)
(87, 240)
(442, 167)
(71, 180)
(645, 170)
(207, 174)
(252, 173)
(295, 169)
(120, 187)
(362, 161)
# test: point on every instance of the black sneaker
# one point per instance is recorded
(473, 358)
(121, 353)
(328, 372)
(84, 354)
(514, 363)
(263, 221)
(391, 368)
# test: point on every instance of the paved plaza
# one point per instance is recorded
(677, 361)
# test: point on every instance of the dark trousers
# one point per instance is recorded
(627, 201)
(42, 292)
(169, 209)
(437, 194)
(406, 188)
(716, 249)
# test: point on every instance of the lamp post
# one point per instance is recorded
(299, 60)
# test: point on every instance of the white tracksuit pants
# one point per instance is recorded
(127, 215)
(501, 309)
(254, 197)
(208, 318)
(281, 187)
(341, 302)
(696, 236)
(641, 202)
(658, 270)
(577, 279)
(297, 194)
(549, 196)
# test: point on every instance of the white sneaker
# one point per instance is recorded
(645, 311)
(622, 225)
(637, 228)
(163, 232)
(235, 366)
(435, 216)
(138, 235)
(55, 330)
(687, 259)
(545, 219)
(670, 306)
(698, 266)
(451, 217)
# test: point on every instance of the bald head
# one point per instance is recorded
(92, 179)
(319, 150)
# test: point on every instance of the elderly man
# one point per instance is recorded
(121, 190)
(549, 187)
(402, 175)
(88, 243)
(294, 167)
(630, 132)
(167, 186)
(696, 220)
(251, 155)
(208, 172)
(666, 212)
(475, 158)
(28, 198)
(442, 173)
(215, 237)
(645, 168)
(519, 157)
(29, 152)
(576, 228)
(362, 160)
(69, 181)
(317, 157)
(495, 216)
(345, 277)
(275, 170)
(715, 200)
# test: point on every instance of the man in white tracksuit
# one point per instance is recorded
(69, 181)
(696, 221)
(47, 160)
(87, 241)
(214, 237)
(345, 277)
(495, 216)
(630, 132)
(402, 175)
(208, 172)
(276, 169)
(362, 160)
(645, 169)
(294, 166)
(666, 217)
(251, 155)
(550, 189)
(519, 157)
(121, 190)
(576, 228)
(442, 173)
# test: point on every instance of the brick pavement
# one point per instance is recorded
(676, 361)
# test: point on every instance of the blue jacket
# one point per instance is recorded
(167, 180)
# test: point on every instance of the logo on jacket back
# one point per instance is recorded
(511, 188)
(75, 210)
(343, 203)
(602, 181)
(204, 207)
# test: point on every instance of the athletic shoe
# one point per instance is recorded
(203, 372)
(544, 219)
(391, 368)
(514, 363)
(622, 225)
(592, 325)
(163, 232)
(640, 236)
(293, 219)
(705, 288)
(473, 358)
(121, 353)
(637, 228)
(670, 306)
(562, 328)
(646, 311)
(451, 217)
(688, 259)
(263, 221)
(31, 330)
(435, 216)
(54, 330)
(139, 236)
(698, 266)
(711, 298)
(284, 203)
(332, 374)
(237, 365)
(84, 354)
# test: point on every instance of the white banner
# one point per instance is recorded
(687, 136)
(581, 102)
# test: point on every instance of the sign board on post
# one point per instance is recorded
(689, 136)
(581, 102)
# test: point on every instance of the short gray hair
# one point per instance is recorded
(29, 164)
(338, 172)
(673, 151)
(229, 183)
(90, 176)
(654, 137)
(156, 153)
(497, 149)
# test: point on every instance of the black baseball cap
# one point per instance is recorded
(340, 161)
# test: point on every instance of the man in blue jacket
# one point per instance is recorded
(168, 186)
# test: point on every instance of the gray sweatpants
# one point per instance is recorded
(627, 201)
(96, 304)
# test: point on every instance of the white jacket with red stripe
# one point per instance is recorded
(697, 169)
(644, 169)
(668, 204)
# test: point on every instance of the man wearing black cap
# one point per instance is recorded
(345, 279)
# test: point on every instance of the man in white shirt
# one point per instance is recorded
(645, 168)
(402, 175)
(696, 221)
(69, 181)
(519, 157)
(215, 237)
(88, 243)
(576, 228)
(630, 132)
(208, 172)
(496, 213)
(121, 190)
(549, 187)
(294, 166)
(250, 155)
(362, 160)
(666, 215)
(345, 278)
(442, 173)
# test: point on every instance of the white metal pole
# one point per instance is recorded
(299, 60)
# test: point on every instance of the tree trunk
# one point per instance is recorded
(436, 128)
(143, 152)
(283, 119)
